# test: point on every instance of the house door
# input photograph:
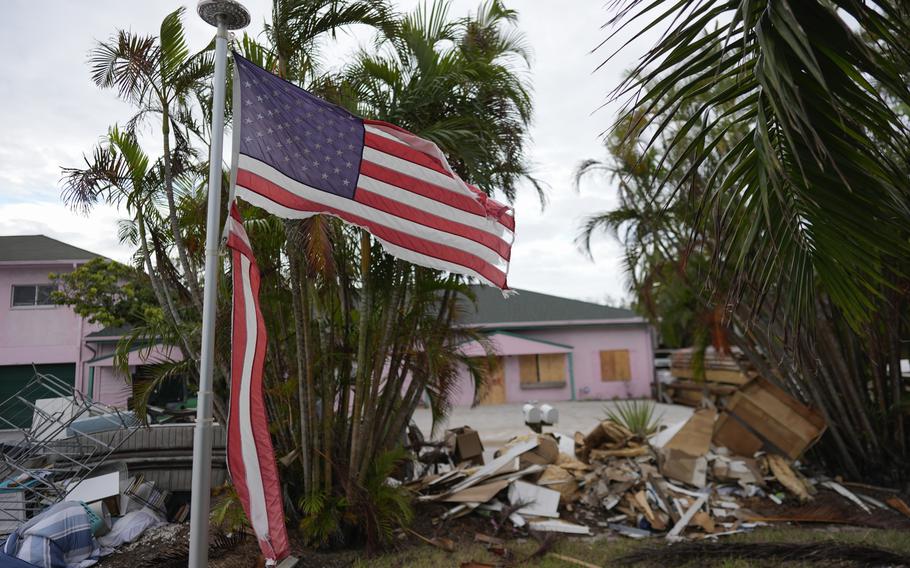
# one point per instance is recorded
(495, 389)
(13, 378)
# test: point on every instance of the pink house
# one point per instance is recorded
(54, 339)
(549, 348)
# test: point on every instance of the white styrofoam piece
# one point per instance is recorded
(566, 444)
(489, 469)
(539, 501)
(95, 488)
(60, 411)
(659, 440)
(559, 525)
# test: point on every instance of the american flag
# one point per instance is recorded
(250, 455)
(299, 156)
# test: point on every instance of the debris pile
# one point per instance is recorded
(91, 470)
(699, 478)
(710, 377)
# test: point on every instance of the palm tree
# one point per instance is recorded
(160, 77)
(777, 129)
(818, 175)
(357, 339)
(459, 83)
(371, 336)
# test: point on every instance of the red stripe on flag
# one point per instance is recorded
(387, 125)
(404, 152)
(446, 253)
(236, 243)
(238, 338)
(411, 213)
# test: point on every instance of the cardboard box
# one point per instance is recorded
(684, 467)
(683, 456)
(465, 444)
(763, 416)
(694, 438)
(546, 452)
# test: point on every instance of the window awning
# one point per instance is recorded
(142, 356)
(506, 343)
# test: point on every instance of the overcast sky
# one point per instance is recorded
(51, 114)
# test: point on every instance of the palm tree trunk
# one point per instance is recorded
(310, 372)
(381, 354)
(362, 367)
(302, 371)
(189, 274)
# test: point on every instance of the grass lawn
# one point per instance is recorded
(602, 551)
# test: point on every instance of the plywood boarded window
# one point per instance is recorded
(536, 369)
(614, 365)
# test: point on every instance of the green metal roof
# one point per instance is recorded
(25, 248)
(111, 332)
(527, 307)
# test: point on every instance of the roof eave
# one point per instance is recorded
(43, 262)
(556, 323)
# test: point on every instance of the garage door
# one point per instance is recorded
(13, 378)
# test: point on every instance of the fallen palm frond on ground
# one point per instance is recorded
(828, 553)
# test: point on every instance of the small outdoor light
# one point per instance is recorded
(228, 12)
(539, 415)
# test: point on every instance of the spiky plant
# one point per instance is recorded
(637, 416)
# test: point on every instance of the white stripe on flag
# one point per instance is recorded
(258, 511)
(359, 209)
(380, 132)
(233, 227)
(486, 224)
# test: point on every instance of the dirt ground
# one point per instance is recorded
(166, 546)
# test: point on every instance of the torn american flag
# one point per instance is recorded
(298, 156)
(250, 456)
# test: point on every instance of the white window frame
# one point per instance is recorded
(35, 306)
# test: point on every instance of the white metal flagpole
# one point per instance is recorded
(225, 15)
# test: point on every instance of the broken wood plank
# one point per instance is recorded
(899, 505)
(487, 539)
(684, 520)
(783, 473)
(843, 491)
(560, 526)
(621, 453)
(574, 561)
(446, 544)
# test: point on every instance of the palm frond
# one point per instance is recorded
(816, 180)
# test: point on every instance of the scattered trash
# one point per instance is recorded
(574, 561)
(679, 483)
(464, 444)
(66, 493)
(446, 544)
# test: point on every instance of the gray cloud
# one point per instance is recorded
(51, 113)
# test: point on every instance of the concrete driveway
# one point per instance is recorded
(498, 423)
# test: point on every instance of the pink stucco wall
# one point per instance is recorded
(54, 334)
(587, 342)
(109, 385)
(46, 334)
